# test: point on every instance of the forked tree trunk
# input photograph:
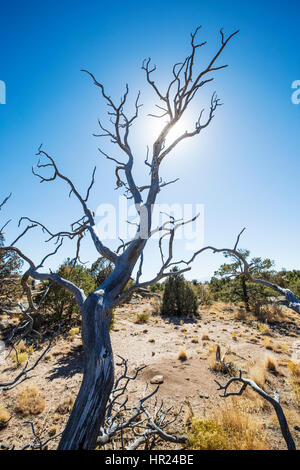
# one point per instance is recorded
(88, 412)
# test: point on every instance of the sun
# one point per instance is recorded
(155, 125)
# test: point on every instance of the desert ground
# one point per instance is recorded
(143, 337)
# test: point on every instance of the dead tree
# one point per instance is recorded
(88, 413)
(275, 402)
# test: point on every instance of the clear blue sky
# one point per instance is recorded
(245, 167)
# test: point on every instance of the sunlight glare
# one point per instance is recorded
(155, 125)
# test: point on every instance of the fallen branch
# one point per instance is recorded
(128, 427)
(275, 402)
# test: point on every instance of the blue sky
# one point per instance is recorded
(244, 168)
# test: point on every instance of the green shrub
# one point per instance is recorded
(204, 295)
(206, 435)
(59, 302)
(142, 318)
(179, 298)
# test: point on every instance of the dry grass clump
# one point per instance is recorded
(142, 318)
(271, 365)
(252, 403)
(294, 368)
(4, 416)
(66, 406)
(22, 353)
(258, 371)
(219, 308)
(182, 355)
(30, 401)
(228, 429)
(195, 340)
(264, 329)
(244, 431)
(52, 431)
(234, 336)
(205, 337)
(268, 313)
(240, 314)
(218, 367)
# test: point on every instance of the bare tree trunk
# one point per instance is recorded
(245, 293)
(88, 412)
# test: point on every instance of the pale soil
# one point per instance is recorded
(58, 376)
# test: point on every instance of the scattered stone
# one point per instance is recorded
(157, 379)
(204, 395)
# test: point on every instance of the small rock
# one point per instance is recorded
(203, 395)
(157, 379)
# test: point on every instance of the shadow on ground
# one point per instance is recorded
(68, 365)
(180, 320)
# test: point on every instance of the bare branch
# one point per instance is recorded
(101, 248)
(5, 201)
(140, 424)
(119, 136)
(23, 375)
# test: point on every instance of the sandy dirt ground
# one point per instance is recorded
(156, 344)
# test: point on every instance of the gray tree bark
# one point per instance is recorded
(89, 408)
(88, 413)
